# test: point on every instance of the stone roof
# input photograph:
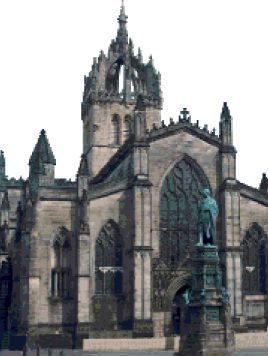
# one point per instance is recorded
(42, 151)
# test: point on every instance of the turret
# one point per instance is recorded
(42, 162)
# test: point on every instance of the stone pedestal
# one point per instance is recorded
(206, 326)
(142, 328)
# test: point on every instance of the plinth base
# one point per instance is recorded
(205, 353)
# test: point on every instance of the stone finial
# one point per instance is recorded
(140, 55)
(205, 128)
(184, 116)
(264, 183)
(225, 126)
(163, 123)
(2, 158)
(171, 122)
(225, 114)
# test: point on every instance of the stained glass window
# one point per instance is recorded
(180, 195)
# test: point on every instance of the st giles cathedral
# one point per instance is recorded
(109, 254)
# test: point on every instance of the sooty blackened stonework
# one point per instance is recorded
(109, 255)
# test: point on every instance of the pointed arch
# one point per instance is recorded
(61, 263)
(193, 163)
(254, 260)
(179, 199)
(109, 260)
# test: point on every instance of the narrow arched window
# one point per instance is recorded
(126, 127)
(61, 269)
(108, 260)
(115, 130)
(254, 247)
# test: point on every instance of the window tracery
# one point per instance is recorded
(61, 270)
(108, 273)
(254, 261)
(180, 196)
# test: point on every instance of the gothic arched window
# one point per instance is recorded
(115, 130)
(61, 269)
(108, 275)
(126, 127)
(254, 261)
(180, 196)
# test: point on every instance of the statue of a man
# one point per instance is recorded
(208, 211)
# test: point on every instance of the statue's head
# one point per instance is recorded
(205, 192)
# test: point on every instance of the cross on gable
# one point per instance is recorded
(184, 115)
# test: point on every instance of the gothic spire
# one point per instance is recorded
(42, 151)
(122, 34)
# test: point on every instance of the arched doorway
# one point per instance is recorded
(178, 305)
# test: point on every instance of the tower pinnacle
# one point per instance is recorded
(122, 34)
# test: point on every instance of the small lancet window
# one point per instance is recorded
(121, 80)
(127, 127)
(115, 132)
(61, 269)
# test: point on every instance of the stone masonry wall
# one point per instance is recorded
(50, 216)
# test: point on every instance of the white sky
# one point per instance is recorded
(207, 51)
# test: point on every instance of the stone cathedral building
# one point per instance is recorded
(109, 255)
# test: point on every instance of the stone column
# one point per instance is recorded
(231, 243)
(83, 281)
(230, 283)
(143, 325)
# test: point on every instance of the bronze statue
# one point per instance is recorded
(208, 211)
